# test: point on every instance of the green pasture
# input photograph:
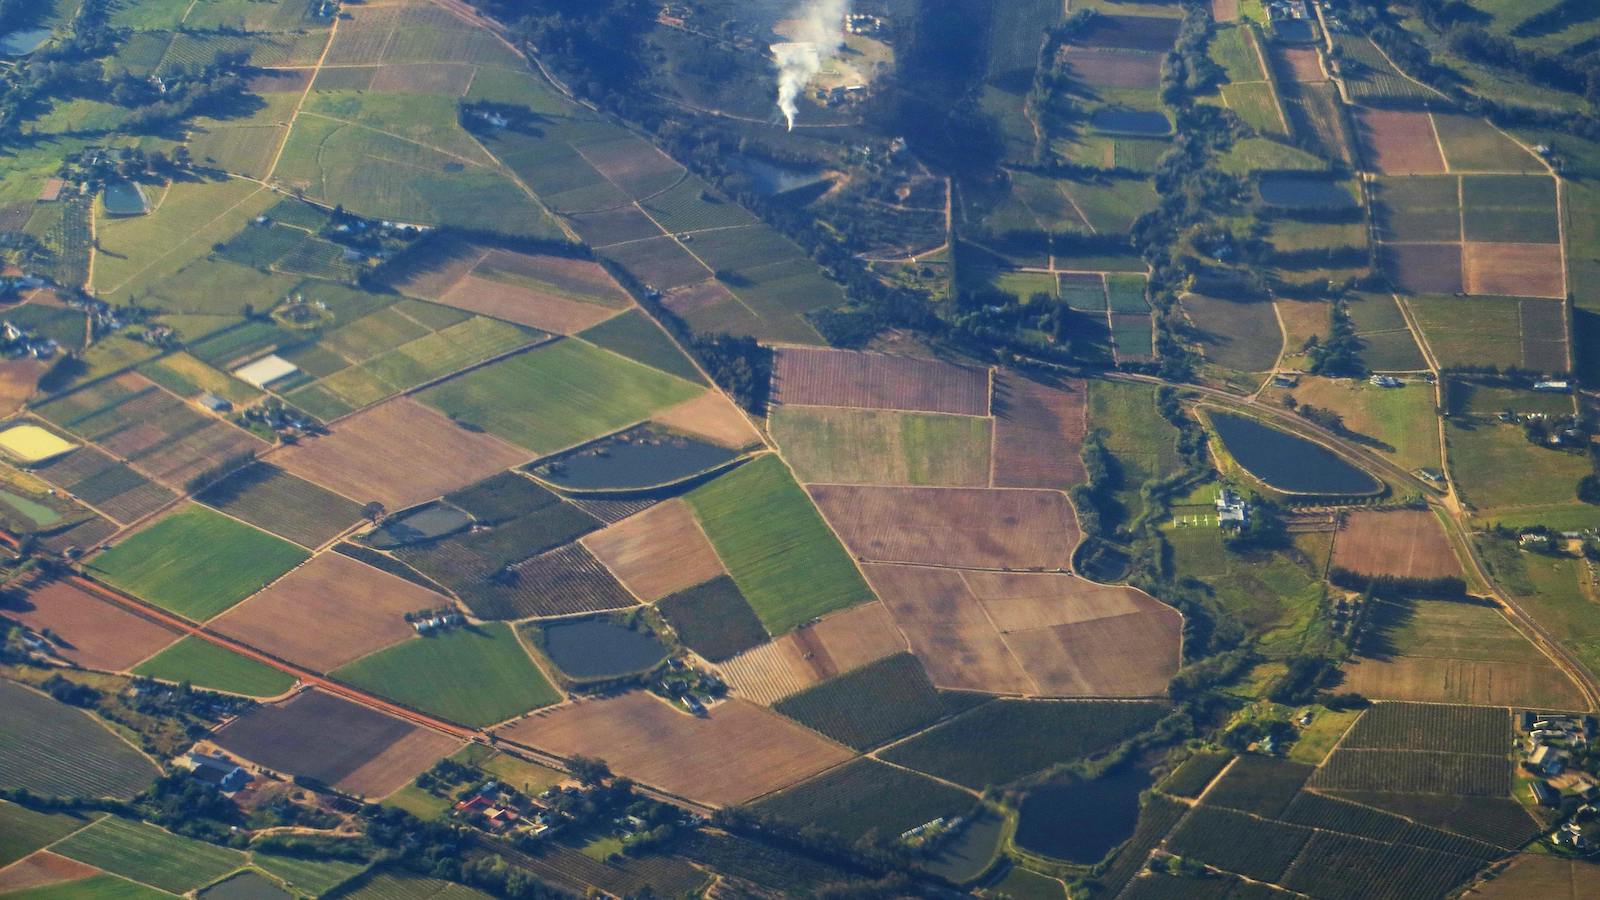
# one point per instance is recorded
(150, 855)
(95, 887)
(24, 830)
(207, 665)
(1494, 466)
(635, 335)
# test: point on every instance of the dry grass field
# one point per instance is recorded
(737, 752)
(1114, 68)
(328, 612)
(1399, 143)
(966, 527)
(97, 634)
(811, 654)
(876, 381)
(658, 552)
(844, 445)
(1407, 543)
(398, 453)
(524, 306)
(685, 300)
(355, 749)
(1038, 433)
(712, 417)
(1516, 270)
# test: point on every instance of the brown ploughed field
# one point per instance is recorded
(736, 752)
(658, 552)
(1399, 143)
(1514, 270)
(40, 869)
(99, 635)
(524, 306)
(1038, 433)
(19, 378)
(712, 417)
(810, 654)
(1301, 63)
(1115, 69)
(398, 453)
(948, 629)
(1406, 543)
(328, 612)
(1472, 681)
(877, 381)
(979, 528)
(691, 297)
(1423, 268)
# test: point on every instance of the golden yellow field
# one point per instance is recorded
(32, 444)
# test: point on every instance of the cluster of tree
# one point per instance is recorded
(597, 45)
(1443, 588)
(1563, 72)
(1303, 676)
(739, 364)
(1338, 356)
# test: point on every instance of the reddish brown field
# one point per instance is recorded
(810, 654)
(177, 463)
(713, 417)
(735, 753)
(328, 612)
(1225, 10)
(949, 630)
(1301, 64)
(1516, 270)
(1038, 433)
(689, 298)
(40, 869)
(398, 453)
(1407, 543)
(572, 276)
(318, 735)
(451, 79)
(876, 381)
(1115, 68)
(1423, 268)
(98, 635)
(658, 552)
(978, 528)
(19, 378)
(524, 306)
(1399, 143)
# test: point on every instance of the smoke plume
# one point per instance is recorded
(816, 40)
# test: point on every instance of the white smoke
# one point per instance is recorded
(817, 36)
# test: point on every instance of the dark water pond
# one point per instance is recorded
(1081, 821)
(427, 523)
(970, 852)
(1287, 462)
(771, 178)
(638, 458)
(597, 648)
(124, 198)
(21, 43)
(1300, 192)
(1130, 121)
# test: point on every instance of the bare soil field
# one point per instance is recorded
(692, 297)
(1538, 875)
(811, 654)
(450, 79)
(351, 747)
(1423, 268)
(713, 417)
(658, 552)
(398, 453)
(19, 378)
(1115, 68)
(1129, 32)
(1471, 681)
(876, 381)
(1300, 63)
(948, 629)
(735, 753)
(96, 634)
(524, 306)
(1399, 143)
(1225, 10)
(1406, 543)
(328, 612)
(573, 276)
(1514, 270)
(1038, 433)
(968, 527)
(40, 869)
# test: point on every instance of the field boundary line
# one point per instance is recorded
(988, 617)
(192, 235)
(389, 134)
(294, 117)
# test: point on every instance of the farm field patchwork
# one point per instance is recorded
(97, 634)
(317, 735)
(150, 855)
(476, 675)
(876, 381)
(26, 830)
(272, 499)
(196, 562)
(839, 445)
(738, 751)
(713, 619)
(969, 527)
(838, 642)
(658, 552)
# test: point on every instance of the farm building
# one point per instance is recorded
(1231, 509)
(1544, 793)
(1549, 760)
(218, 771)
(214, 403)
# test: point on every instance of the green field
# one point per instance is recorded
(1277, 595)
(476, 676)
(1004, 740)
(23, 830)
(1469, 331)
(1401, 419)
(315, 876)
(196, 562)
(1494, 466)
(558, 395)
(1256, 104)
(1254, 155)
(207, 665)
(400, 885)
(1548, 587)
(866, 795)
(781, 554)
(834, 445)
(150, 855)
(635, 335)
(57, 750)
(1144, 444)
(139, 253)
(869, 706)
